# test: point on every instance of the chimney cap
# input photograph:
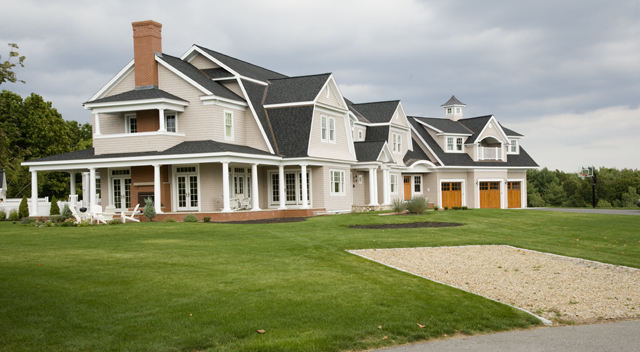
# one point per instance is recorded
(146, 23)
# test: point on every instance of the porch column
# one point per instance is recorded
(157, 189)
(97, 124)
(34, 193)
(281, 186)
(254, 188)
(162, 122)
(92, 189)
(386, 185)
(226, 202)
(305, 199)
(72, 184)
(373, 187)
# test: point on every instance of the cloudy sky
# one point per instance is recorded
(566, 74)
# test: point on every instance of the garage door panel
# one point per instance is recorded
(451, 194)
(490, 195)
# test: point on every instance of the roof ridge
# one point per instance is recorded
(378, 102)
(235, 58)
(476, 117)
(291, 77)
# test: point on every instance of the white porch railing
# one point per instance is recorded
(486, 153)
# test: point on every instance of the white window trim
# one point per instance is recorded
(360, 135)
(127, 124)
(454, 145)
(413, 184)
(166, 120)
(298, 202)
(324, 128)
(397, 143)
(517, 142)
(224, 122)
(523, 192)
(391, 178)
(331, 183)
(503, 194)
(332, 121)
(110, 178)
(174, 190)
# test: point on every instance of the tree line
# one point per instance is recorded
(614, 188)
(31, 128)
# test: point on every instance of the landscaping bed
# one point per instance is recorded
(410, 225)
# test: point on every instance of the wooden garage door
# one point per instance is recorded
(407, 187)
(451, 194)
(490, 195)
(514, 194)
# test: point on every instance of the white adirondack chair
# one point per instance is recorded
(130, 217)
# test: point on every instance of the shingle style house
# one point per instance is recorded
(207, 133)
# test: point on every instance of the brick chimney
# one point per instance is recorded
(147, 40)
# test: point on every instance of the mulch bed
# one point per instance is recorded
(267, 221)
(410, 225)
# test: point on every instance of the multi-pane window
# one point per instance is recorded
(275, 188)
(417, 184)
(131, 123)
(170, 121)
(394, 183)
(397, 143)
(459, 144)
(449, 143)
(454, 144)
(98, 187)
(332, 129)
(513, 148)
(360, 135)
(228, 125)
(324, 128)
(290, 186)
(337, 182)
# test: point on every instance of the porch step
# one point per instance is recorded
(319, 212)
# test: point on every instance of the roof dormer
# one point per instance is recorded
(453, 108)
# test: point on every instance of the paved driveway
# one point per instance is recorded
(592, 211)
(622, 336)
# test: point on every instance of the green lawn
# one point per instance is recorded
(199, 286)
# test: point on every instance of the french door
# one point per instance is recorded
(187, 186)
(121, 192)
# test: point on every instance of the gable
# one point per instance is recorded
(127, 83)
(202, 63)
(330, 95)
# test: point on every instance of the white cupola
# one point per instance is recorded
(453, 108)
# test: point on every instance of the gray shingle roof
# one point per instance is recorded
(191, 147)
(214, 73)
(255, 94)
(380, 133)
(368, 151)
(463, 159)
(444, 125)
(453, 101)
(196, 75)
(475, 124)
(244, 68)
(138, 94)
(359, 116)
(295, 89)
(510, 132)
(378, 112)
(291, 128)
(411, 156)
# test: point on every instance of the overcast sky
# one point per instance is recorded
(566, 74)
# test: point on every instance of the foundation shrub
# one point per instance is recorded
(446, 208)
(23, 209)
(3, 215)
(55, 209)
(13, 215)
(66, 212)
(207, 219)
(398, 206)
(418, 205)
(149, 209)
(169, 220)
(190, 218)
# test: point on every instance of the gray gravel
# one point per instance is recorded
(558, 288)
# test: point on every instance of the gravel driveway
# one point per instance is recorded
(558, 288)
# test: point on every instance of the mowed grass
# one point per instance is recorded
(201, 287)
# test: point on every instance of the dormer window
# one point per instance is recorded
(449, 110)
(454, 144)
(513, 146)
(397, 143)
(171, 123)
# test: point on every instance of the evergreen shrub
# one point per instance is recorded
(190, 218)
(23, 209)
(55, 209)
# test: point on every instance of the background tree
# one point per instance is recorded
(6, 67)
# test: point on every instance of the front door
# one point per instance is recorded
(490, 195)
(514, 195)
(121, 191)
(187, 192)
(451, 194)
(407, 187)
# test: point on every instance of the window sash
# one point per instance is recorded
(417, 184)
(449, 143)
(394, 183)
(459, 144)
(324, 128)
(228, 125)
(170, 123)
(332, 129)
(337, 182)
